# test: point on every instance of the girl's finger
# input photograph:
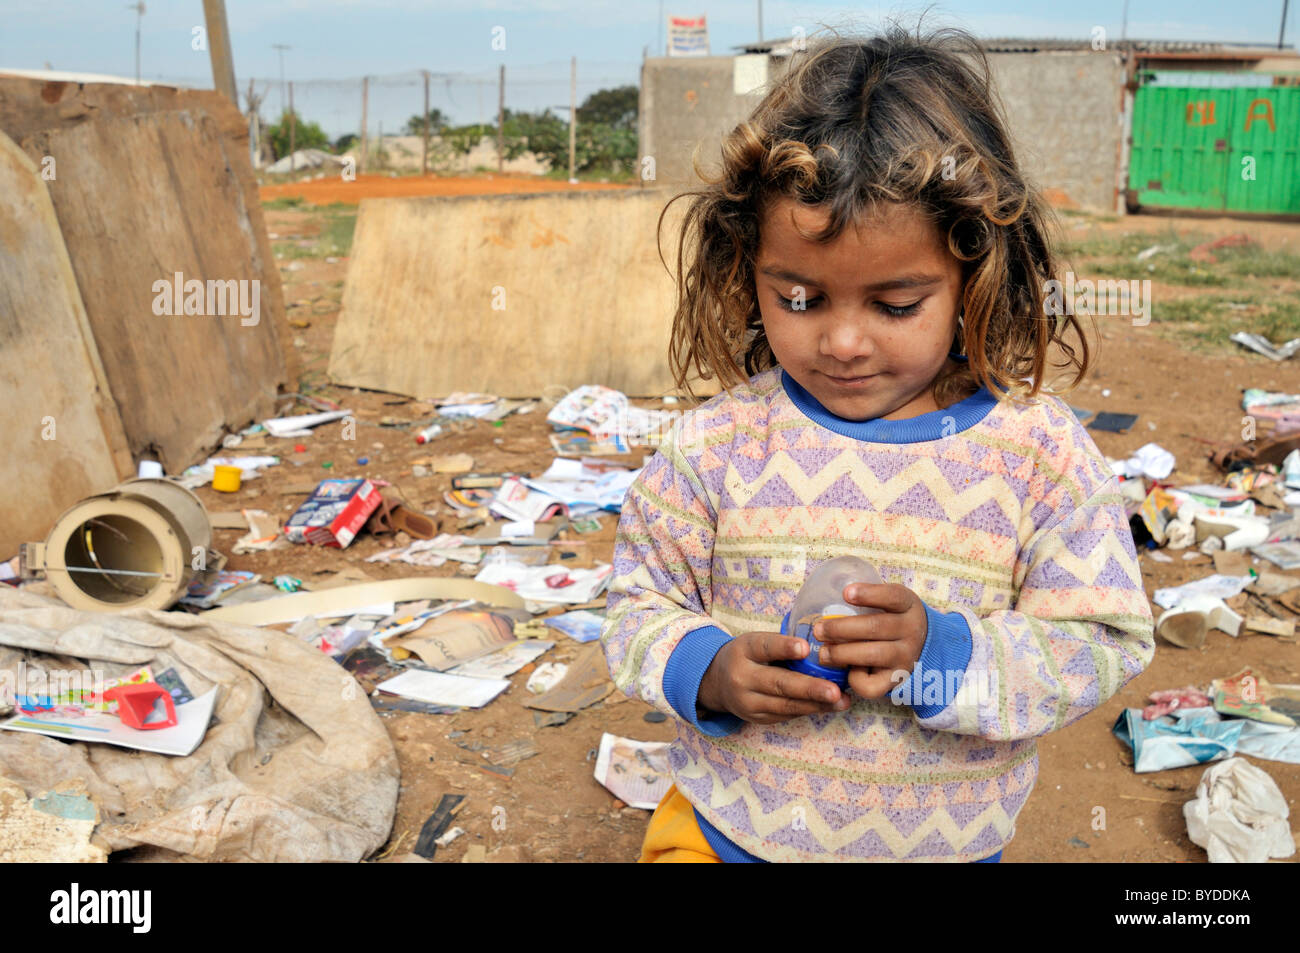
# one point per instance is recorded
(884, 626)
(877, 683)
(788, 707)
(774, 647)
(783, 683)
(862, 655)
(887, 596)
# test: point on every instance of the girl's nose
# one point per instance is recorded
(846, 340)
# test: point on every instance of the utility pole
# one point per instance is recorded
(139, 13)
(501, 120)
(573, 115)
(760, 21)
(254, 125)
(1282, 29)
(424, 157)
(365, 98)
(293, 131)
(223, 64)
(281, 47)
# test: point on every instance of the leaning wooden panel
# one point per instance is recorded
(159, 237)
(508, 294)
(63, 439)
(30, 105)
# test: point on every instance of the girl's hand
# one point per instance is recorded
(741, 680)
(875, 647)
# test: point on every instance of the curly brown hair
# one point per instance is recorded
(852, 124)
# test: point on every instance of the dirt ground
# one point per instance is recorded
(553, 810)
(332, 188)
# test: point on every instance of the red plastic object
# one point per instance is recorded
(299, 448)
(135, 703)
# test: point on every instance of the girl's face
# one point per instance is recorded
(880, 307)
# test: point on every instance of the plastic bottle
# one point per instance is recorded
(822, 597)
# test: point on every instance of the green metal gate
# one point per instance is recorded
(1216, 148)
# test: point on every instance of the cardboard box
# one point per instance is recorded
(334, 513)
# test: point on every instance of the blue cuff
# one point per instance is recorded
(684, 672)
(947, 650)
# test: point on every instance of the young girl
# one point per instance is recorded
(873, 250)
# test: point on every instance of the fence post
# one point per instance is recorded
(501, 120)
(424, 158)
(573, 113)
(365, 98)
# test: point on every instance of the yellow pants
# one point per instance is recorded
(674, 836)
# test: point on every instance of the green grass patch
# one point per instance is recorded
(338, 223)
(1207, 322)
(283, 202)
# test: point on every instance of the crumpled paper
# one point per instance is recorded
(1239, 815)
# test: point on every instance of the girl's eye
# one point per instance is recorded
(900, 311)
(788, 304)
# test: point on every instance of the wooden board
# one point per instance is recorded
(28, 105)
(141, 199)
(50, 372)
(186, 392)
(586, 298)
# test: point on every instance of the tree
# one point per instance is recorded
(415, 125)
(344, 142)
(611, 107)
(307, 135)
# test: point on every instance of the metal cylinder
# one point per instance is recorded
(137, 546)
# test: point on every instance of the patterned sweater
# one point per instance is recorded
(1007, 522)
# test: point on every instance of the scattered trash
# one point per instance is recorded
(635, 772)
(586, 683)
(301, 426)
(1262, 345)
(654, 717)
(1239, 815)
(250, 469)
(440, 688)
(435, 826)
(543, 585)
(450, 836)
(1283, 555)
(545, 677)
(263, 533)
(504, 662)
(1076, 842)
(1113, 423)
(1247, 695)
(582, 625)
(1219, 587)
(1164, 702)
(1151, 461)
(206, 592)
(392, 516)
(189, 723)
(334, 513)
(428, 433)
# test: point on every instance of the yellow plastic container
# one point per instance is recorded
(226, 479)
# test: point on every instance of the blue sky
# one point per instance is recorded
(335, 42)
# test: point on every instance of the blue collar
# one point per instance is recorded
(932, 426)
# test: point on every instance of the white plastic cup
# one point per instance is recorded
(150, 470)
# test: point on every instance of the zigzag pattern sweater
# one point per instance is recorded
(1007, 522)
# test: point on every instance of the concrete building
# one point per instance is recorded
(1069, 106)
